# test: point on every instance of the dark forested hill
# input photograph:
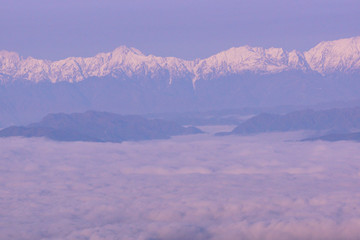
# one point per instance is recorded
(338, 120)
(98, 127)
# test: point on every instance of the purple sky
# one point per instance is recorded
(188, 29)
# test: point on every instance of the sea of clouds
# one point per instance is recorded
(198, 187)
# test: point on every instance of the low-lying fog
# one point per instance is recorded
(260, 187)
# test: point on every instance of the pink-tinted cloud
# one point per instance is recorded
(188, 187)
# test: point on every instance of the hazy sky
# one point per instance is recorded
(183, 28)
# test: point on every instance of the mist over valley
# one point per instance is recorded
(179, 120)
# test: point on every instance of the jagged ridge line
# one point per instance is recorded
(326, 57)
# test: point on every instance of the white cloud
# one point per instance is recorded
(189, 187)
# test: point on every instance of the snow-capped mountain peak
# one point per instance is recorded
(124, 50)
(250, 59)
(326, 58)
(335, 56)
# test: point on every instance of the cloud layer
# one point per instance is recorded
(188, 187)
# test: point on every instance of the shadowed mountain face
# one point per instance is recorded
(333, 120)
(98, 127)
(25, 102)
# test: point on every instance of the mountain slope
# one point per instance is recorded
(98, 127)
(126, 81)
(335, 56)
(347, 119)
(122, 61)
(325, 58)
(250, 59)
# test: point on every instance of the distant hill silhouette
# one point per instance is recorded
(98, 127)
(333, 137)
(335, 120)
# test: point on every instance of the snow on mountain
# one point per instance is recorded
(326, 58)
(335, 56)
(253, 59)
(121, 61)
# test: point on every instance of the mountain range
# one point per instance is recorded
(325, 58)
(128, 82)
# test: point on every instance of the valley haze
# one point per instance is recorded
(199, 187)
